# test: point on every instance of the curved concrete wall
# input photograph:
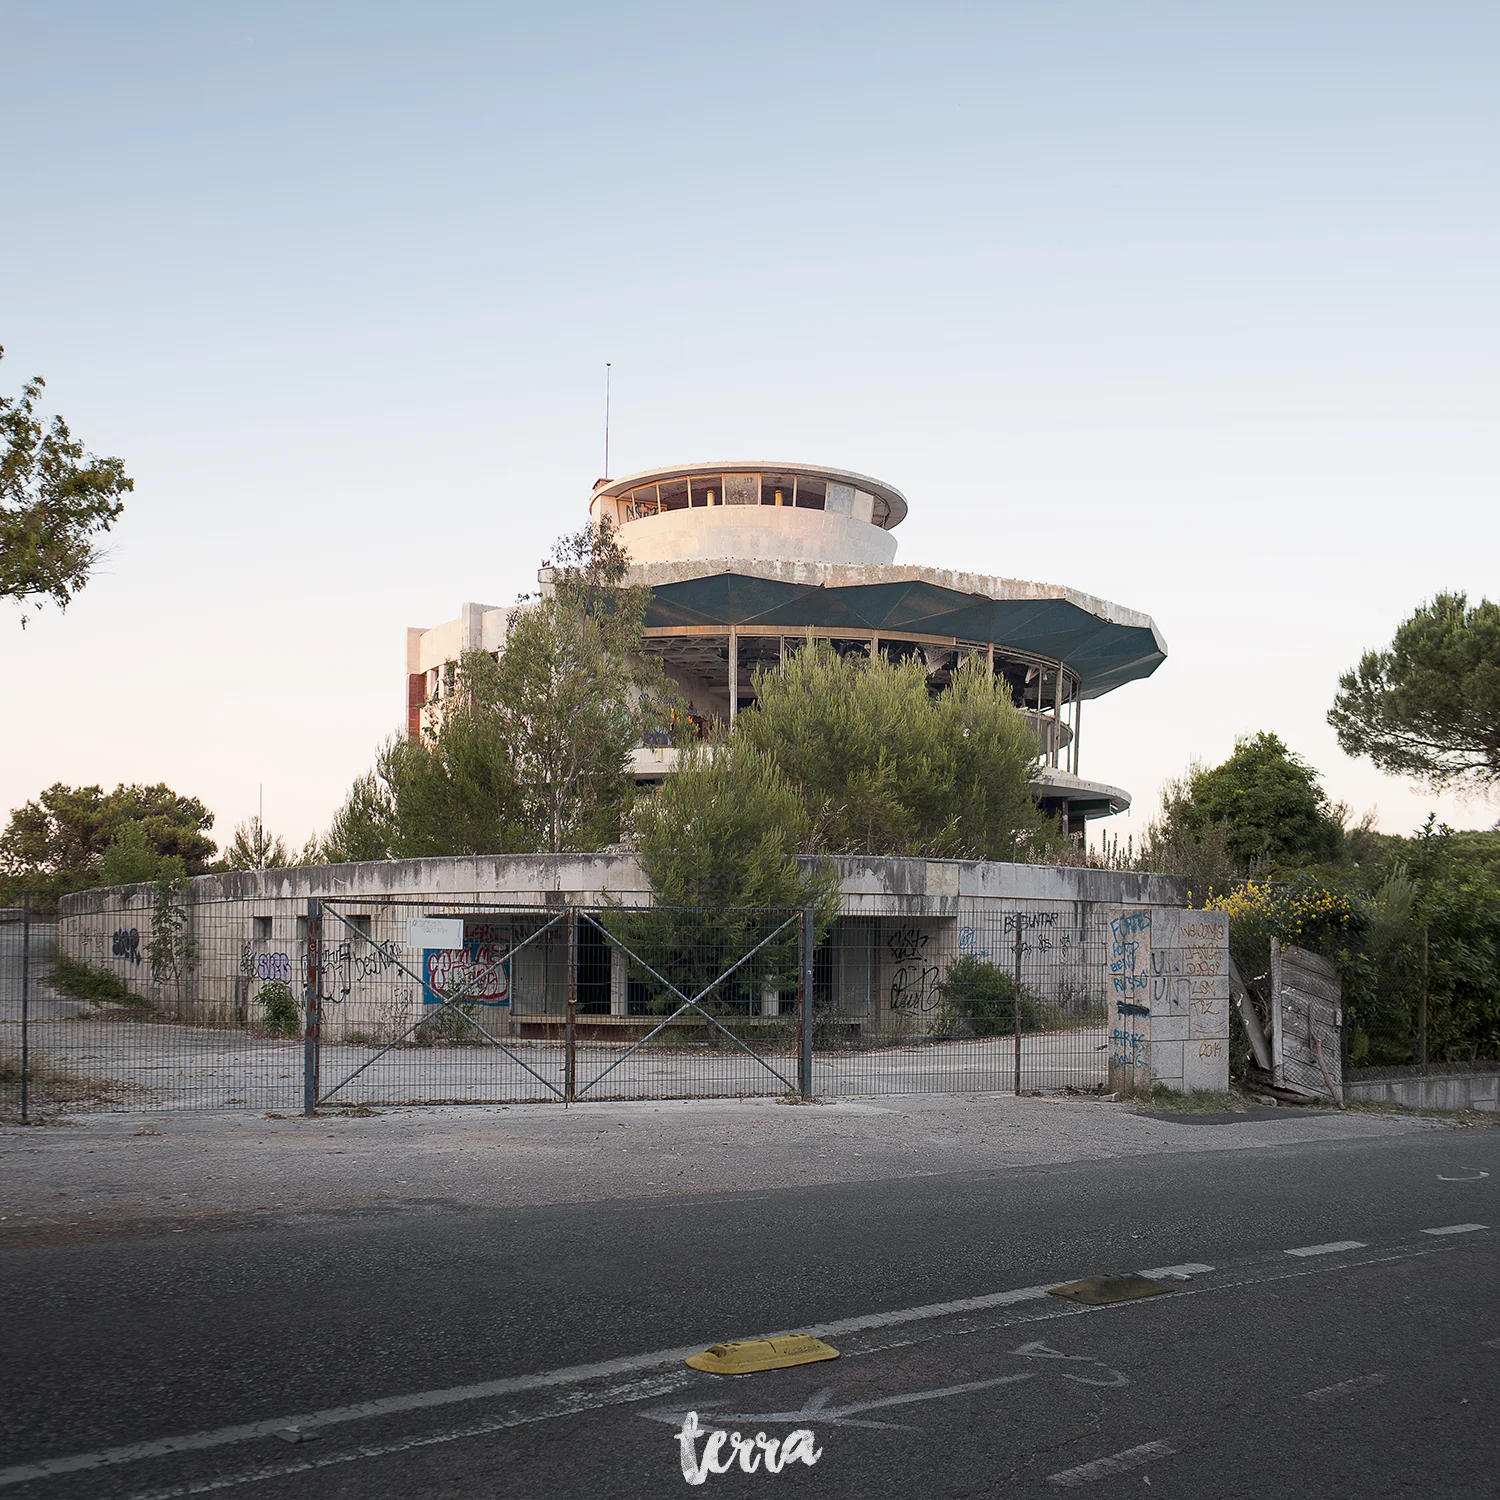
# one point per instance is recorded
(767, 533)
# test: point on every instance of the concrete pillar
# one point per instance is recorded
(770, 1000)
(734, 674)
(1057, 692)
(619, 990)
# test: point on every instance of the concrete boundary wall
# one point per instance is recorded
(903, 924)
(1429, 1091)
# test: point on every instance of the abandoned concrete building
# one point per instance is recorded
(745, 560)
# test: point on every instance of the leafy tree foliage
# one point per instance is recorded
(726, 831)
(1415, 929)
(58, 842)
(130, 858)
(720, 838)
(1264, 803)
(252, 848)
(530, 752)
(1429, 706)
(884, 767)
(454, 790)
(983, 998)
(55, 500)
(575, 695)
(364, 827)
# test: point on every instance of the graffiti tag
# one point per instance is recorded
(907, 942)
(274, 966)
(914, 989)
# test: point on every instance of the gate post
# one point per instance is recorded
(25, 1001)
(805, 1004)
(570, 1056)
(1017, 998)
(313, 1035)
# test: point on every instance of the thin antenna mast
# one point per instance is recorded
(606, 419)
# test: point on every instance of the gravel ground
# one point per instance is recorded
(122, 1174)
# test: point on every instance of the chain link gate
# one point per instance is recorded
(552, 1004)
(146, 998)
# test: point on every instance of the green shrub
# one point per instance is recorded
(983, 996)
(282, 1016)
(84, 982)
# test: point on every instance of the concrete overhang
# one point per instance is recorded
(1088, 799)
(1106, 644)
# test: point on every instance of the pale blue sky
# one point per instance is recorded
(1193, 306)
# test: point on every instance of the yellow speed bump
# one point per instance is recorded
(1100, 1291)
(749, 1355)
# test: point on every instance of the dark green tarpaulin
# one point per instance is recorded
(1104, 655)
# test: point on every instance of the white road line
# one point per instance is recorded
(1188, 1268)
(510, 1386)
(566, 1408)
(1116, 1463)
(1328, 1249)
(1455, 1229)
(1344, 1387)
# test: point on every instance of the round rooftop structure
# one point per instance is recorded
(756, 509)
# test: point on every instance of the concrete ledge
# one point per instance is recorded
(1426, 1091)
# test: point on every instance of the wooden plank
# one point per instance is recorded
(1307, 1002)
(1244, 1002)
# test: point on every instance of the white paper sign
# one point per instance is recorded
(434, 932)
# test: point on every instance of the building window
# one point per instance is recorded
(260, 929)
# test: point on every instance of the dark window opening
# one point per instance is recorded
(593, 970)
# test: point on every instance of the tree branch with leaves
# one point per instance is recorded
(1429, 706)
(55, 502)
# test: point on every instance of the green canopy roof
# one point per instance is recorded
(1055, 623)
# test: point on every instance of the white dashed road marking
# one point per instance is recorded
(1188, 1268)
(1328, 1249)
(1116, 1463)
(1455, 1229)
(1344, 1387)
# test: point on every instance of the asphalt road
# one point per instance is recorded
(1367, 1370)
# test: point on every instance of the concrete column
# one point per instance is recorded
(1057, 691)
(619, 993)
(734, 673)
(770, 1000)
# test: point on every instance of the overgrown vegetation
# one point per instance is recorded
(1413, 924)
(531, 751)
(171, 948)
(81, 981)
(51, 1085)
(882, 766)
(982, 997)
(70, 838)
(281, 1016)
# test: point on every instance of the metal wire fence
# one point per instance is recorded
(144, 1000)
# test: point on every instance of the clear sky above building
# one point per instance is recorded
(1194, 307)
